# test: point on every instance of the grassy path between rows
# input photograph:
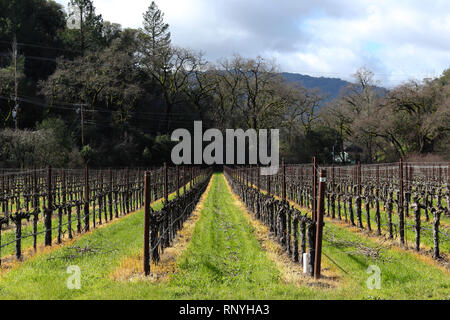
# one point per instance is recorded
(224, 260)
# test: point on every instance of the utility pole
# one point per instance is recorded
(82, 125)
(81, 110)
(16, 84)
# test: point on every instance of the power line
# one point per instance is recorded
(43, 47)
(38, 58)
(45, 105)
(136, 117)
(69, 106)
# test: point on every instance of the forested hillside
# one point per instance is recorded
(112, 96)
(332, 87)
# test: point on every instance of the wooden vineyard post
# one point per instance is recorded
(147, 212)
(184, 180)
(283, 181)
(258, 179)
(110, 195)
(333, 196)
(48, 213)
(36, 209)
(178, 181)
(377, 201)
(407, 194)
(1, 227)
(340, 191)
(166, 192)
(86, 198)
(448, 187)
(319, 223)
(68, 211)
(314, 189)
(436, 222)
(127, 193)
(302, 195)
(400, 208)
(358, 196)
(246, 176)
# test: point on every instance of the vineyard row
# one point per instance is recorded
(35, 204)
(408, 201)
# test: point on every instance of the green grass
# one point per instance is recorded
(426, 235)
(223, 261)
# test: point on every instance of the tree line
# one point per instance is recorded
(81, 89)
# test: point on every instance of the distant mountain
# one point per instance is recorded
(329, 86)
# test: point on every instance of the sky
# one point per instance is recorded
(398, 40)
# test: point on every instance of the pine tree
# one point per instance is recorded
(157, 35)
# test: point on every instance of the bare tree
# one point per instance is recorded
(249, 90)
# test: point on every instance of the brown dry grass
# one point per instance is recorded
(131, 269)
(291, 272)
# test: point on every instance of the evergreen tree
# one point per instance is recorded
(157, 35)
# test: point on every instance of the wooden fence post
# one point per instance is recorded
(377, 201)
(110, 195)
(86, 198)
(1, 227)
(448, 188)
(400, 208)
(147, 211)
(436, 222)
(48, 213)
(258, 178)
(320, 214)
(247, 176)
(36, 208)
(184, 180)
(333, 196)
(358, 196)
(166, 192)
(178, 182)
(314, 189)
(283, 180)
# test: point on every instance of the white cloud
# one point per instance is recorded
(398, 39)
